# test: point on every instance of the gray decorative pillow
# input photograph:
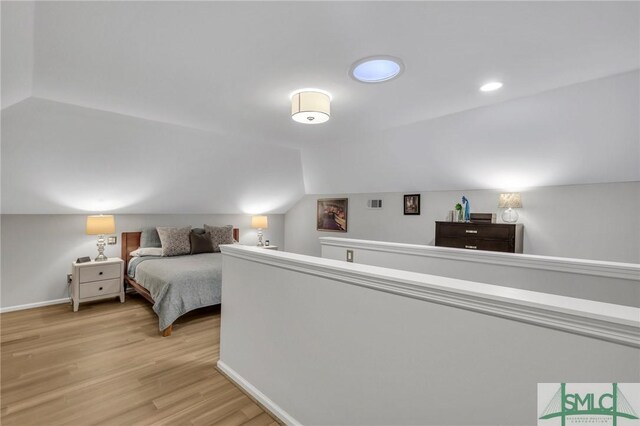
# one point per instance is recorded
(150, 238)
(175, 241)
(220, 235)
(200, 243)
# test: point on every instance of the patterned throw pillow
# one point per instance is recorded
(220, 235)
(175, 241)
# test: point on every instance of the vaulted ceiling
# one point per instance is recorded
(226, 69)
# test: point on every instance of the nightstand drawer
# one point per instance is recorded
(99, 272)
(100, 288)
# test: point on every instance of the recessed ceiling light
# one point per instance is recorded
(490, 87)
(376, 69)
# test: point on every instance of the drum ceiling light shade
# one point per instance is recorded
(310, 106)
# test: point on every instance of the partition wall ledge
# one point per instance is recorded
(627, 271)
(605, 321)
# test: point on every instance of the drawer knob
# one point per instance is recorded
(471, 247)
(100, 273)
(471, 231)
(100, 288)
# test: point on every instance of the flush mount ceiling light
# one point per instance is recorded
(491, 86)
(376, 69)
(310, 106)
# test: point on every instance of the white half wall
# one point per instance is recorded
(578, 134)
(322, 342)
(37, 250)
(599, 221)
(60, 158)
(610, 282)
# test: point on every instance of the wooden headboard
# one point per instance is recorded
(131, 241)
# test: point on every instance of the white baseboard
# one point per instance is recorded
(259, 396)
(34, 305)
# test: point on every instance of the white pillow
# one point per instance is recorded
(147, 251)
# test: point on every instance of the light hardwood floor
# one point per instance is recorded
(107, 364)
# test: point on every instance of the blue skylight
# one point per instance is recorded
(376, 70)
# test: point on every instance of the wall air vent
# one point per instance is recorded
(374, 204)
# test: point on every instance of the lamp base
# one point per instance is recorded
(510, 216)
(101, 257)
(260, 243)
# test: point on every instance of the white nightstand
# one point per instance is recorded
(97, 280)
(270, 247)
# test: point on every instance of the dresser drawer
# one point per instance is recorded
(100, 288)
(99, 272)
(475, 231)
(476, 244)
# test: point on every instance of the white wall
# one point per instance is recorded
(59, 158)
(583, 133)
(37, 250)
(331, 343)
(598, 222)
(17, 50)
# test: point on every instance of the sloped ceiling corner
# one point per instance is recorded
(229, 66)
(584, 133)
(17, 51)
(59, 158)
(105, 117)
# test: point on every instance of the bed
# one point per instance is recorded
(174, 285)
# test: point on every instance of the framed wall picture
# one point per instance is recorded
(412, 204)
(332, 214)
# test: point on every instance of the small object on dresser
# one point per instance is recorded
(467, 209)
(266, 243)
(83, 259)
(483, 217)
(451, 214)
(457, 216)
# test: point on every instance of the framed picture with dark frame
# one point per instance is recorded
(332, 214)
(412, 204)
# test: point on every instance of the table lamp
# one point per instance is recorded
(100, 225)
(259, 223)
(510, 201)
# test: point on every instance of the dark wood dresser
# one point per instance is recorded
(505, 237)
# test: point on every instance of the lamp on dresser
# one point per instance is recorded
(100, 225)
(510, 201)
(259, 223)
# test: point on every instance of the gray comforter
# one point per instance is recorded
(179, 284)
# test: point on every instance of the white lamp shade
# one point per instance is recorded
(259, 222)
(510, 200)
(310, 107)
(101, 224)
